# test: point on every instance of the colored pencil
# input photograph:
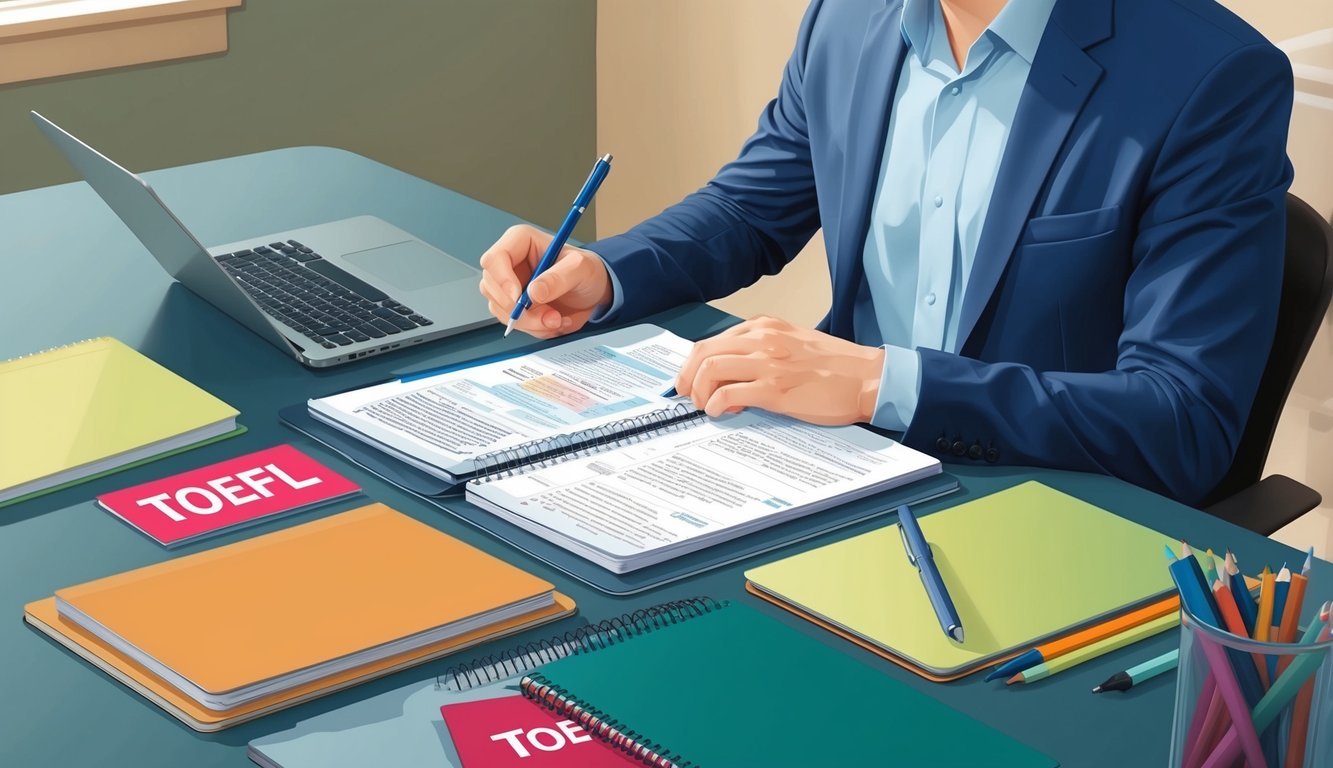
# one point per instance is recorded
(1300, 720)
(1188, 577)
(1247, 670)
(1048, 651)
(1208, 693)
(1241, 591)
(1141, 672)
(1203, 713)
(1300, 726)
(1215, 727)
(1281, 586)
(1089, 652)
(1264, 620)
(1284, 689)
(1195, 574)
(1209, 563)
(1246, 673)
(1288, 627)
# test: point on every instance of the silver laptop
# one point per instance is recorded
(325, 294)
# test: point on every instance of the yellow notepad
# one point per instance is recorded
(1022, 565)
(70, 413)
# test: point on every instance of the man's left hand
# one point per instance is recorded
(771, 364)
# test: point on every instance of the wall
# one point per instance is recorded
(1303, 445)
(493, 99)
(681, 84)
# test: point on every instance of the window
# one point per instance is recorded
(48, 38)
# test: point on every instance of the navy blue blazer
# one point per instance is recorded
(1124, 294)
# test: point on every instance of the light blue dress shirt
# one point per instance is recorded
(946, 136)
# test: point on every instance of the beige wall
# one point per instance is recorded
(680, 85)
(1303, 446)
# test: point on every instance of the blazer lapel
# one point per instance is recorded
(872, 93)
(1062, 78)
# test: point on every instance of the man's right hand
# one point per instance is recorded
(563, 297)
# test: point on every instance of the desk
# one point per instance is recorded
(72, 271)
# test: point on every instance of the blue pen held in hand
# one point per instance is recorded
(581, 203)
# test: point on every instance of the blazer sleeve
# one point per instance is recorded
(750, 220)
(1200, 309)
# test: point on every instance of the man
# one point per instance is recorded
(1054, 227)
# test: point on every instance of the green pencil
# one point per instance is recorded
(1209, 563)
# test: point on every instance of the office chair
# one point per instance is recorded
(1242, 497)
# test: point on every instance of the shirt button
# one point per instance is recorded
(930, 299)
(938, 201)
(955, 90)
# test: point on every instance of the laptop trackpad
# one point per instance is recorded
(410, 265)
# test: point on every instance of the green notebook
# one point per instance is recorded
(736, 688)
(1022, 565)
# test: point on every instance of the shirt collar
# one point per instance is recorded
(1020, 25)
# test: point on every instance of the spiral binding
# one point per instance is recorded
(525, 658)
(552, 450)
(598, 723)
(51, 349)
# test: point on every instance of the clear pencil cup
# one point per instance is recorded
(1283, 693)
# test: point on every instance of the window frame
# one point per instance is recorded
(51, 38)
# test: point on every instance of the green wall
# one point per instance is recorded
(493, 98)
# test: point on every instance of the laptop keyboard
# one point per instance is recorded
(321, 301)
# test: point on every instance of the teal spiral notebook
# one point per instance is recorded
(711, 680)
(718, 691)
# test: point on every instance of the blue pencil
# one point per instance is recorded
(1022, 661)
(1193, 593)
(1194, 573)
(1188, 576)
(1241, 591)
(1281, 586)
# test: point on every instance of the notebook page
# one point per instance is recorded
(446, 420)
(683, 490)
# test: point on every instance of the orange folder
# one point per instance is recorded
(288, 601)
(42, 615)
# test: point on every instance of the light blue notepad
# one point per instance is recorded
(402, 727)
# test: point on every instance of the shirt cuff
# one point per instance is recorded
(899, 388)
(605, 311)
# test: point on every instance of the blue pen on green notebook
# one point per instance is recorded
(918, 552)
(581, 203)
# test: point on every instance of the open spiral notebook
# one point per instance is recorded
(576, 444)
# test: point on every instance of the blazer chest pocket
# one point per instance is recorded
(1071, 226)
